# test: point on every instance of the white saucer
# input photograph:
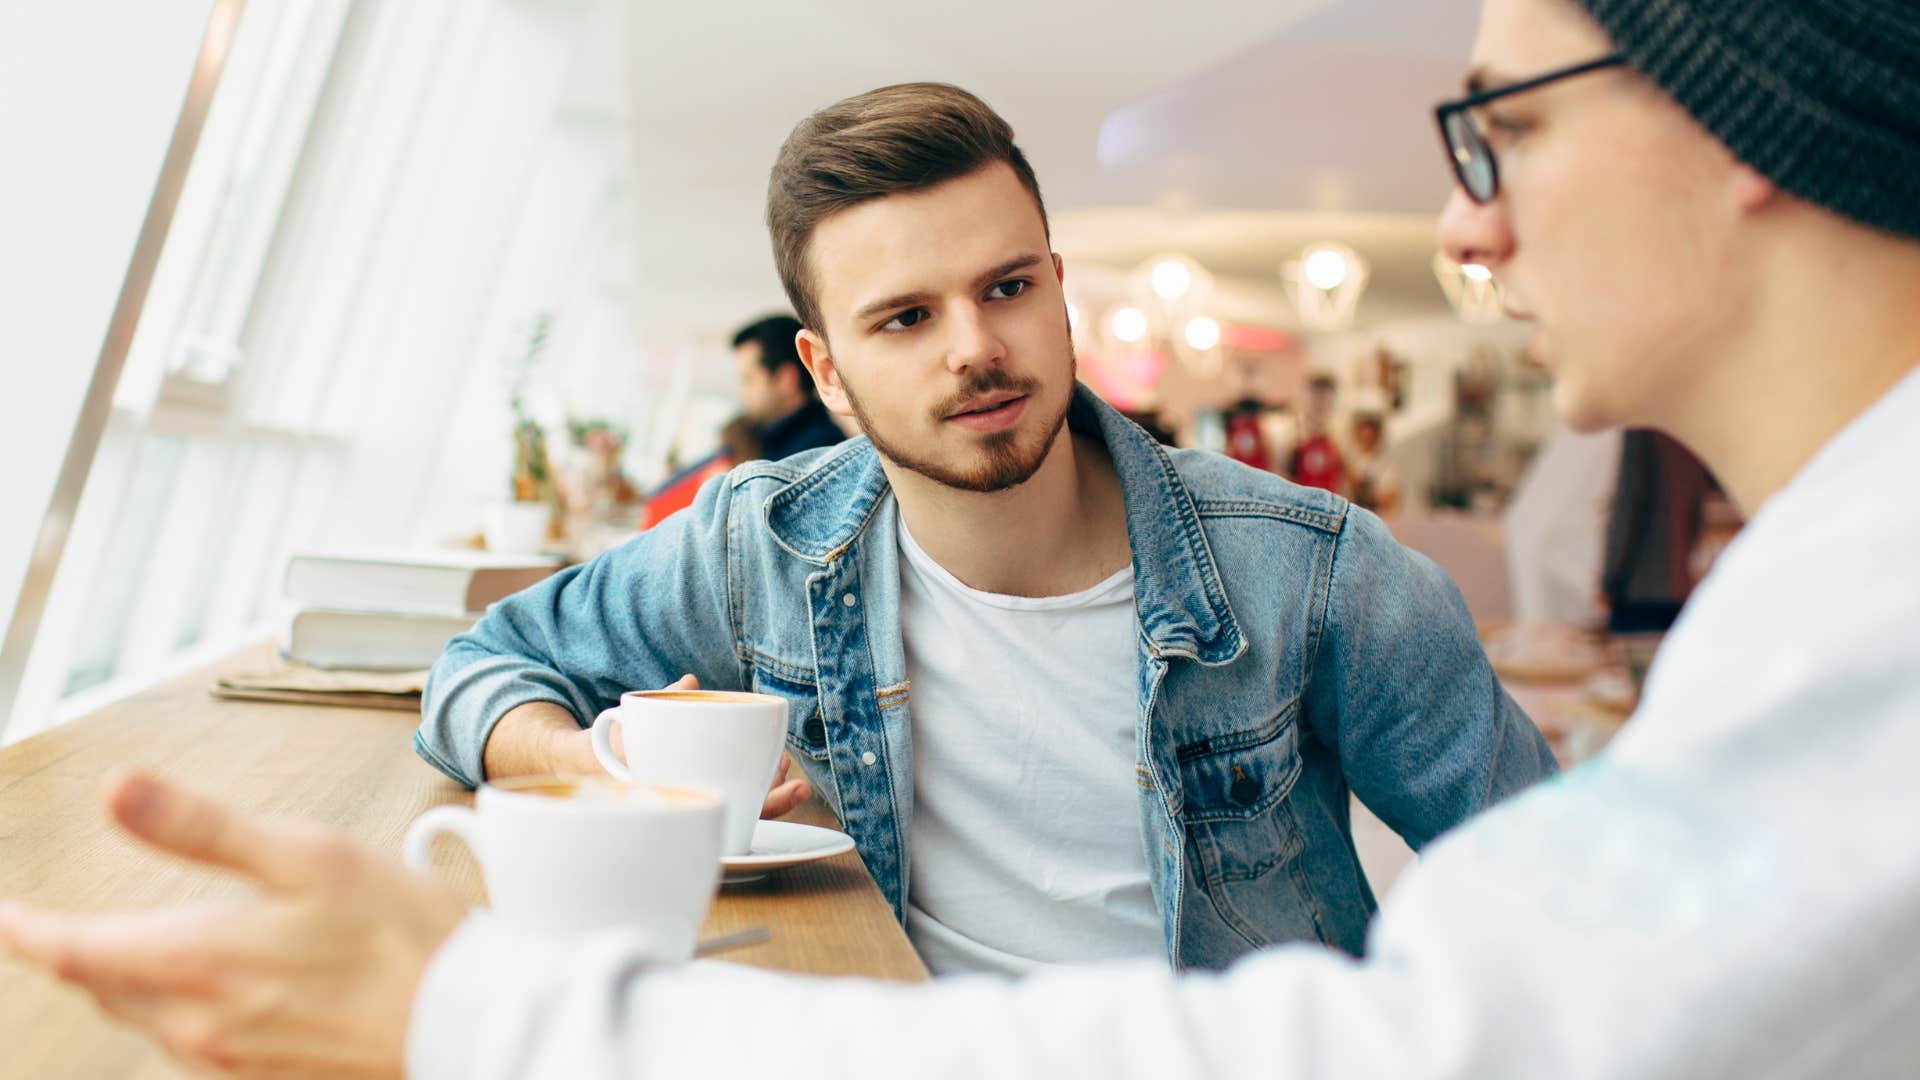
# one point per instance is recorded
(779, 844)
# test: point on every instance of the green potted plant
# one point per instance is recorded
(523, 522)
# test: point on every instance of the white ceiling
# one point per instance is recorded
(1218, 126)
(1332, 113)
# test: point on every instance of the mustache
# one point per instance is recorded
(986, 381)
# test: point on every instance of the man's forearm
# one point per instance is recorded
(538, 737)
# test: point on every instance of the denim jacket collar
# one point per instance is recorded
(1178, 593)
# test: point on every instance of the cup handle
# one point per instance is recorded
(603, 746)
(418, 846)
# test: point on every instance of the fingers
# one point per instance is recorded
(140, 1008)
(194, 827)
(685, 682)
(125, 975)
(188, 1028)
(785, 799)
(783, 796)
(12, 925)
(166, 950)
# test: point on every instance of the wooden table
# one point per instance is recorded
(1578, 704)
(351, 768)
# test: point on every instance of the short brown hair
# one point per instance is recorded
(901, 138)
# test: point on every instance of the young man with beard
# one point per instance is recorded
(1076, 697)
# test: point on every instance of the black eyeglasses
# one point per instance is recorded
(1466, 144)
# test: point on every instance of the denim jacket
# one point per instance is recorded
(1290, 653)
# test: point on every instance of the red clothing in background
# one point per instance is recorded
(1316, 463)
(1245, 443)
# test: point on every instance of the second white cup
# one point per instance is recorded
(723, 741)
(566, 855)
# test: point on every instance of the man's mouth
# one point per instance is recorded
(987, 405)
(998, 411)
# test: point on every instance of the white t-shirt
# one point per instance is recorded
(1026, 844)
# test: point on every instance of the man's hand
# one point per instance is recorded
(786, 795)
(314, 975)
(576, 759)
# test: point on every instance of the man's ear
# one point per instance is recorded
(1066, 309)
(826, 376)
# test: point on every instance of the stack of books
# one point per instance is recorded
(395, 610)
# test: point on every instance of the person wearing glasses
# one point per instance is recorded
(1710, 211)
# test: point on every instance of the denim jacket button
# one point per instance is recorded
(1245, 790)
(850, 600)
(869, 757)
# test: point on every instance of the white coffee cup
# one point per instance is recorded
(564, 855)
(720, 740)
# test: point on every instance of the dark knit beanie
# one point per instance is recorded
(1820, 96)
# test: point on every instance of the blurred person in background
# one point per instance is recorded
(1246, 443)
(780, 416)
(739, 442)
(1317, 461)
(776, 393)
(1375, 483)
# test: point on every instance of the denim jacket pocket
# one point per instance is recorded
(1243, 838)
(806, 725)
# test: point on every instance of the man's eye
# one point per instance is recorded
(1503, 126)
(1007, 290)
(906, 320)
